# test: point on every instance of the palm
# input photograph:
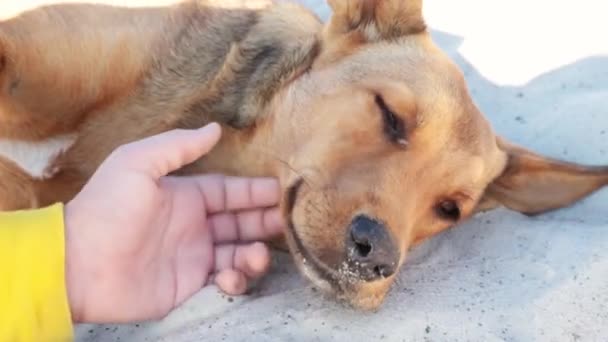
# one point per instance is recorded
(148, 244)
(176, 248)
(183, 234)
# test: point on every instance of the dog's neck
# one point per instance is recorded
(279, 139)
(264, 149)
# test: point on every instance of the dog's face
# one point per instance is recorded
(394, 150)
(393, 156)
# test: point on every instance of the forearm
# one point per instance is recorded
(33, 296)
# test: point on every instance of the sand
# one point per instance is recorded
(539, 70)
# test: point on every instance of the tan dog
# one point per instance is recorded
(368, 125)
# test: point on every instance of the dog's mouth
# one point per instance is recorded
(339, 281)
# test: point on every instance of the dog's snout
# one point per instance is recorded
(371, 251)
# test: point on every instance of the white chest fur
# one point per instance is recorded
(36, 158)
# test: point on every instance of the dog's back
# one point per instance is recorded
(99, 76)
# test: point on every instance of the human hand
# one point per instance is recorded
(139, 243)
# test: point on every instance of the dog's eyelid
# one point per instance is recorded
(464, 196)
(394, 126)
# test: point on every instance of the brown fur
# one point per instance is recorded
(298, 101)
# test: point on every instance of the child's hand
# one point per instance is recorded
(140, 243)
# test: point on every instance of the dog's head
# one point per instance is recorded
(392, 150)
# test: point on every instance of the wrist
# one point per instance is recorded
(73, 273)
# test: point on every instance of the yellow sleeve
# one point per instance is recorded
(33, 296)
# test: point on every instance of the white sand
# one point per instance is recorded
(539, 70)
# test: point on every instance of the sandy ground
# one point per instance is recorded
(539, 70)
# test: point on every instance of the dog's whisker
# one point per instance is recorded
(285, 163)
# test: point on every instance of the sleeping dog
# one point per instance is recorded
(367, 124)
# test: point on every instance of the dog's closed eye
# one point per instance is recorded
(394, 127)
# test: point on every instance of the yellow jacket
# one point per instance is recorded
(33, 296)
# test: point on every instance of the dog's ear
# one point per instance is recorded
(533, 184)
(375, 19)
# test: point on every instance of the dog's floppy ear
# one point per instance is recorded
(376, 19)
(533, 184)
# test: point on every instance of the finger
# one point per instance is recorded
(253, 260)
(232, 282)
(245, 226)
(237, 193)
(166, 152)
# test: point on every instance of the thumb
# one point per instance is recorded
(161, 154)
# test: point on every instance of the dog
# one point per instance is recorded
(368, 125)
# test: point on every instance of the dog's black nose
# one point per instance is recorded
(371, 251)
